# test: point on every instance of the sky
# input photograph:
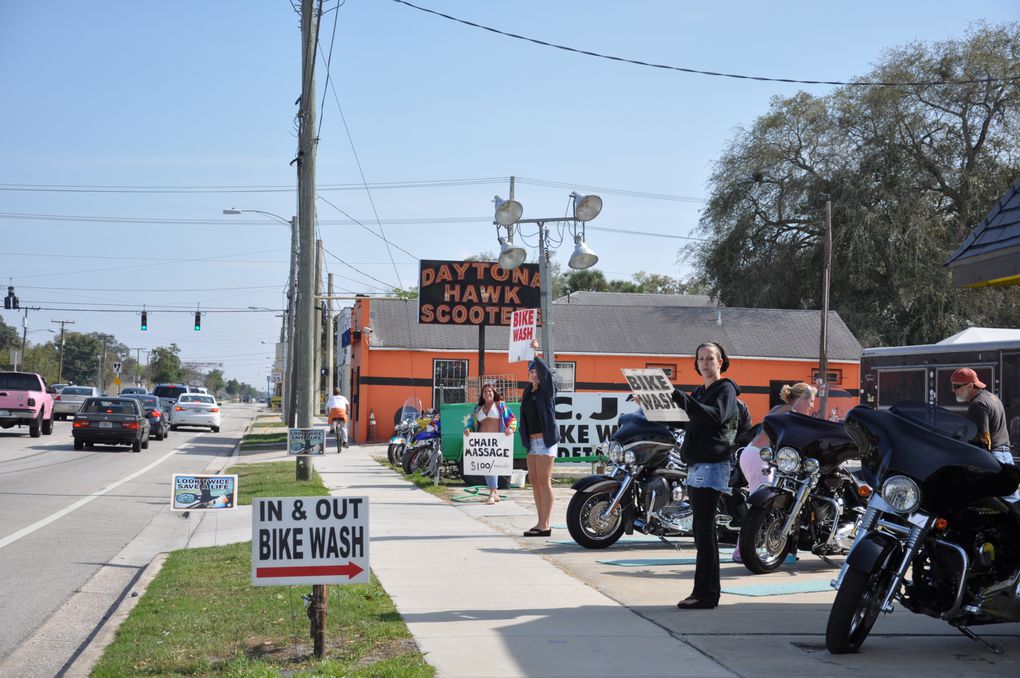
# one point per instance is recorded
(128, 127)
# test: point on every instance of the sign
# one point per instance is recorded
(116, 368)
(656, 393)
(474, 292)
(197, 493)
(301, 441)
(116, 381)
(488, 454)
(586, 420)
(15, 356)
(309, 540)
(522, 332)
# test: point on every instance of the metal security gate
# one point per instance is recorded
(449, 382)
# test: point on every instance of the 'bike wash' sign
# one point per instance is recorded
(309, 540)
(475, 292)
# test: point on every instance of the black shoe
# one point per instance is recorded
(537, 533)
(692, 603)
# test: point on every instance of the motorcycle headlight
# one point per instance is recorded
(615, 452)
(628, 456)
(810, 465)
(766, 454)
(787, 460)
(902, 494)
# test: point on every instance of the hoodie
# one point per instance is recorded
(708, 436)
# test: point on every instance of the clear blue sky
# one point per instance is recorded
(125, 95)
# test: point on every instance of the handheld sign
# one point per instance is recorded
(522, 331)
(488, 454)
(309, 540)
(302, 441)
(656, 393)
(196, 493)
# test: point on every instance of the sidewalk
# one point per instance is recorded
(477, 602)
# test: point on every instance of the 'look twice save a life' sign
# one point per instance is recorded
(309, 540)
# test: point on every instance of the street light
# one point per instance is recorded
(508, 215)
(289, 409)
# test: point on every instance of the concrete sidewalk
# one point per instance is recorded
(477, 602)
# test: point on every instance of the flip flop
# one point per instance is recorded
(533, 532)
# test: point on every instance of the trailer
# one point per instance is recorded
(923, 373)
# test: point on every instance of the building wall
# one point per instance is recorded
(383, 378)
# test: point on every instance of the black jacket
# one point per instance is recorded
(546, 397)
(708, 432)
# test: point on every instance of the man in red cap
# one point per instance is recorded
(987, 413)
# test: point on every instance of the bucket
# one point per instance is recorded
(517, 477)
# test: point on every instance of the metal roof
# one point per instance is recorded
(634, 299)
(631, 329)
(991, 253)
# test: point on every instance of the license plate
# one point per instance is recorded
(5, 413)
(106, 424)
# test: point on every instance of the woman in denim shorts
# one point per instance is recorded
(540, 434)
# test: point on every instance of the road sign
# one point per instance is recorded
(195, 493)
(302, 441)
(116, 368)
(116, 380)
(309, 540)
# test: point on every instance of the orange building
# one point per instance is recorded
(393, 357)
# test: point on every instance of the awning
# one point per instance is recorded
(991, 253)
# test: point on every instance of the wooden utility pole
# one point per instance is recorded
(330, 339)
(823, 348)
(317, 368)
(60, 368)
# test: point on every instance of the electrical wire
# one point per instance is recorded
(383, 282)
(717, 74)
(381, 237)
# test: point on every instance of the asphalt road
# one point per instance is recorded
(66, 515)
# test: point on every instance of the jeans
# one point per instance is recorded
(706, 570)
(1005, 456)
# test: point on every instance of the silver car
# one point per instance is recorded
(70, 398)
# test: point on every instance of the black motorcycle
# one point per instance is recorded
(643, 489)
(813, 503)
(936, 536)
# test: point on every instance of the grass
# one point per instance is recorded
(251, 439)
(201, 616)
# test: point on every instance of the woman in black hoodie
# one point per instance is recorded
(706, 450)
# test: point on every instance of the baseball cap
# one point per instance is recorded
(965, 375)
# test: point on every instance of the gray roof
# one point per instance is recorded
(990, 251)
(634, 299)
(633, 330)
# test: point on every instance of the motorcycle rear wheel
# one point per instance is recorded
(855, 610)
(408, 459)
(761, 550)
(584, 524)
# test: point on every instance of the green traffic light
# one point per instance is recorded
(198, 322)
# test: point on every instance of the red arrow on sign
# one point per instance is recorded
(350, 569)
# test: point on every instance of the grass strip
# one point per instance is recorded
(279, 437)
(201, 616)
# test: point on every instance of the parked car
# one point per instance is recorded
(132, 390)
(111, 421)
(158, 416)
(24, 401)
(56, 388)
(169, 393)
(196, 409)
(70, 399)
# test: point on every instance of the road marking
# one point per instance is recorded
(38, 525)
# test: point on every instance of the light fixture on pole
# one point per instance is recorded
(586, 207)
(583, 256)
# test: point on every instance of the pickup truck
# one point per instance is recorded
(25, 402)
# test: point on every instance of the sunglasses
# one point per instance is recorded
(958, 386)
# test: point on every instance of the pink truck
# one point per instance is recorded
(25, 402)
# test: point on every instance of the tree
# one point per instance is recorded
(909, 170)
(214, 381)
(233, 387)
(165, 364)
(9, 340)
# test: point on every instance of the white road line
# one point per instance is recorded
(24, 532)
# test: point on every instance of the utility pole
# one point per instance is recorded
(330, 340)
(317, 369)
(290, 374)
(138, 363)
(102, 368)
(823, 349)
(60, 369)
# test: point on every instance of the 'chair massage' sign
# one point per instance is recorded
(475, 292)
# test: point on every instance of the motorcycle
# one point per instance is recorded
(409, 413)
(936, 536)
(424, 452)
(813, 502)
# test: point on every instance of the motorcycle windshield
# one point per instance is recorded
(813, 434)
(411, 409)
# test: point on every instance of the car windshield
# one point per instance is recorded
(106, 406)
(170, 391)
(76, 390)
(196, 398)
(19, 382)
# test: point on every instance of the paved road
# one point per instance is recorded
(66, 515)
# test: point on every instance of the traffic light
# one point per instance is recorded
(198, 321)
(145, 321)
(11, 301)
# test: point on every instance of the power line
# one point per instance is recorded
(132, 290)
(637, 62)
(381, 237)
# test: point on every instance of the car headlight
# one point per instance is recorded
(628, 456)
(766, 454)
(787, 460)
(901, 493)
(615, 452)
(811, 465)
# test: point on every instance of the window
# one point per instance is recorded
(564, 376)
(449, 382)
(669, 369)
(832, 376)
(897, 385)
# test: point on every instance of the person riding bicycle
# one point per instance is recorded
(338, 407)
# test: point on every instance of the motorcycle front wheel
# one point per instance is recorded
(585, 523)
(761, 548)
(410, 461)
(389, 453)
(855, 609)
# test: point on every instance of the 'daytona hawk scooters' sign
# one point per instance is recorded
(475, 292)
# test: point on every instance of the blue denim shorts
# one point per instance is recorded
(1005, 456)
(713, 476)
(537, 446)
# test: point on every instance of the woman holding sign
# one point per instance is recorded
(491, 416)
(706, 450)
(540, 435)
